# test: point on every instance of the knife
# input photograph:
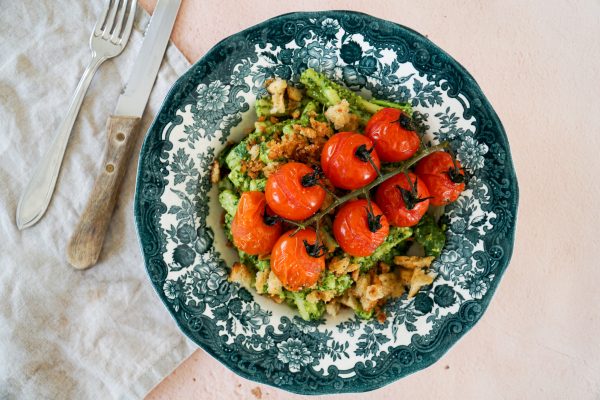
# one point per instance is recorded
(86, 242)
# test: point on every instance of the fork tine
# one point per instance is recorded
(100, 22)
(110, 20)
(117, 31)
(129, 23)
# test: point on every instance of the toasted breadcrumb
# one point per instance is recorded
(374, 277)
(371, 289)
(419, 279)
(373, 293)
(320, 295)
(326, 295)
(254, 152)
(277, 89)
(405, 276)
(352, 125)
(270, 168)
(252, 168)
(383, 267)
(274, 285)
(353, 267)
(342, 266)
(361, 285)
(261, 280)
(349, 301)
(322, 129)
(294, 93)
(391, 284)
(332, 308)
(215, 173)
(287, 147)
(303, 144)
(339, 265)
(310, 154)
(241, 274)
(412, 262)
(341, 117)
(305, 131)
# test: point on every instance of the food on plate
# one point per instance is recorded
(345, 160)
(298, 260)
(444, 177)
(360, 227)
(404, 199)
(290, 195)
(324, 204)
(255, 228)
(394, 135)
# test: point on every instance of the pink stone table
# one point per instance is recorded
(538, 62)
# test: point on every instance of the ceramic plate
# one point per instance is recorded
(178, 215)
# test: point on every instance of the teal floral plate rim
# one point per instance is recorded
(178, 216)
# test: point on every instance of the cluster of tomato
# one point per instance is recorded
(349, 161)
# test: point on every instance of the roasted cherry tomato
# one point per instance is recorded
(403, 202)
(290, 196)
(297, 259)
(345, 160)
(359, 231)
(253, 231)
(444, 179)
(394, 137)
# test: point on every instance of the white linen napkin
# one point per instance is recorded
(101, 333)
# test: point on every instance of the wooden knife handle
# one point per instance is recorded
(84, 247)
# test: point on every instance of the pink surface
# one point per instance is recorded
(538, 65)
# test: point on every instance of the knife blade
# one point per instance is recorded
(132, 101)
(86, 242)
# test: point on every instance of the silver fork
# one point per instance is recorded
(108, 39)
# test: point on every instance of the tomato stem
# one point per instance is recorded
(378, 181)
(405, 122)
(364, 155)
(373, 221)
(326, 189)
(411, 197)
(314, 250)
(454, 173)
(297, 224)
(312, 179)
(270, 220)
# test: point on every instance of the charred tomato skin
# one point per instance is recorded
(434, 171)
(251, 233)
(393, 141)
(292, 263)
(351, 228)
(288, 197)
(341, 165)
(391, 202)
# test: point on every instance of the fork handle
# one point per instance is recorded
(38, 192)
(85, 244)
